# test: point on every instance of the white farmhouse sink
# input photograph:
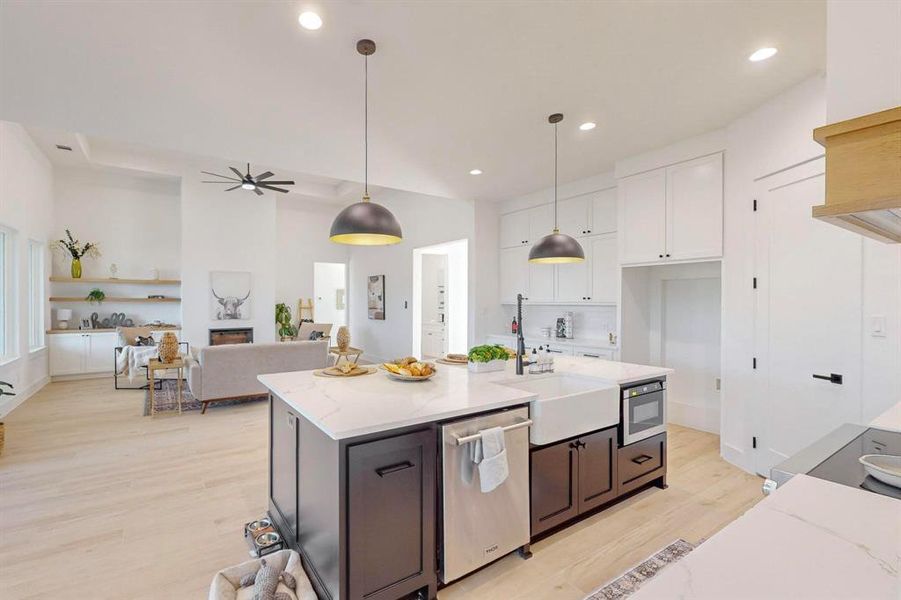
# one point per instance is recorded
(568, 405)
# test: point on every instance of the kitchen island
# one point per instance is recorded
(354, 467)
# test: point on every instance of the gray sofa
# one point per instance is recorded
(230, 371)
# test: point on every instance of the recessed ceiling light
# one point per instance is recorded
(476, 172)
(763, 54)
(309, 20)
(587, 126)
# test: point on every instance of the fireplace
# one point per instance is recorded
(239, 335)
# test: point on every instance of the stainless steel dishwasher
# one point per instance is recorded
(480, 527)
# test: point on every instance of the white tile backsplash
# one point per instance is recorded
(591, 322)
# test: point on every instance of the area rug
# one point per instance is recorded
(628, 583)
(166, 399)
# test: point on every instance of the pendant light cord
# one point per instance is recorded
(555, 178)
(366, 127)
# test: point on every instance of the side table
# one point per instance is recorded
(156, 365)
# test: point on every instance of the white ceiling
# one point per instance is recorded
(453, 85)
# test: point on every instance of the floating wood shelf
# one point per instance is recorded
(112, 299)
(117, 280)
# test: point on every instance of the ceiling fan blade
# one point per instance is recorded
(264, 175)
(258, 191)
(222, 176)
(238, 173)
(276, 183)
(273, 188)
(233, 188)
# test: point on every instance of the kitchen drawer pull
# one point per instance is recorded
(641, 459)
(835, 378)
(401, 466)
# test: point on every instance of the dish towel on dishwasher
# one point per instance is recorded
(490, 453)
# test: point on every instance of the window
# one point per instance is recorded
(35, 295)
(4, 296)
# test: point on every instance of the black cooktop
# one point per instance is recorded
(844, 468)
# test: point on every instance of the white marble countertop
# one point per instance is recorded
(810, 539)
(353, 406)
(889, 420)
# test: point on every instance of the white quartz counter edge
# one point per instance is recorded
(811, 538)
(345, 408)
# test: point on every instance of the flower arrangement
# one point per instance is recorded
(77, 250)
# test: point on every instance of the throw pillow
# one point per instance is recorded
(144, 341)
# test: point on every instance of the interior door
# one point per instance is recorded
(642, 209)
(808, 317)
(694, 208)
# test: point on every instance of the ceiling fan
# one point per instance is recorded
(250, 182)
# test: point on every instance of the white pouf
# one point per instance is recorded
(227, 582)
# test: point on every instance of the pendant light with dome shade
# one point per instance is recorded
(365, 223)
(556, 248)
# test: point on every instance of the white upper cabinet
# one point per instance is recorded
(574, 280)
(541, 222)
(694, 209)
(514, 273)
(602, 259)
(515, 229)
(603, 211)
(673, 213)
(574, 216)
(642, 221)
(526, 227)
(541, 281)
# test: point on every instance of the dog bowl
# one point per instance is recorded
(259, 525)
(267, 539)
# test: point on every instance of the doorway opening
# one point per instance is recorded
(330, 292)
(441, 299)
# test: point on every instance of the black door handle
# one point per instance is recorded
(835, 378)
(641, 459)
(401, 466)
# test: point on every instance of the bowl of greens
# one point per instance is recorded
(488, 357)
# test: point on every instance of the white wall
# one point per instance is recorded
(302, 228)
(136, 221)
(228, 231)
(591, 324)
(863, 66)
(26, 200)
(426, 221)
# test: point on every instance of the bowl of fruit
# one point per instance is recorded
(409, 369)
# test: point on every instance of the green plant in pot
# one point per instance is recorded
(77, 251)
(283, 319)
(96, 295)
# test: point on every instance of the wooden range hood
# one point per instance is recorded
(863, 175)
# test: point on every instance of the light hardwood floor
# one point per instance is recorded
(97, 502)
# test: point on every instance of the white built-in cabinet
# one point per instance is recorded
(674, 213)
(80, 353)
(86, 352)
(589, 217)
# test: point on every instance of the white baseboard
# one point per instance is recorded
(81, 376)
(10, 403)
(695, 417)
(734, 455)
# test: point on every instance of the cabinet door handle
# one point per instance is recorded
(290, 420)
(667, 255)
(835, 378)
(641, 459)
(591, 355)
(401, 466)
(659, 256)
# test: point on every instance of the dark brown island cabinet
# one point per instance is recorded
(360, 511)
(576, 476)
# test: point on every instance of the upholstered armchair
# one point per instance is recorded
(129, 356)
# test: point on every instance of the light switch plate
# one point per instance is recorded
(877, 325)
